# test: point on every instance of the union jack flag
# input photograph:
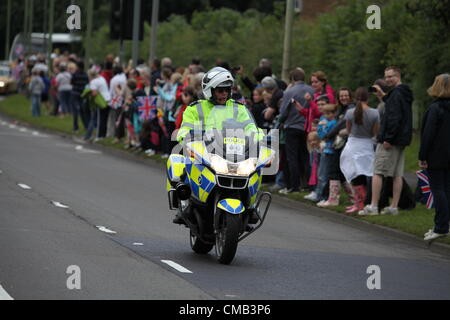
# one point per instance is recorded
(424, 185)
(117, 102)
(147, 107)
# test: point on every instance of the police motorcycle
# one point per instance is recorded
(215, 186)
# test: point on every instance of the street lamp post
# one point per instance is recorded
(51, 15)
(136, 21)
(154, 35)
(90, 16)
(288, 39)
(8, 29)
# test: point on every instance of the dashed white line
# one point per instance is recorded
(176, 266)
(106, 230)
(59, 205)
(139, 244)
(4, 295)
(24, 186)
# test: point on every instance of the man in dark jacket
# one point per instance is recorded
(395, 134)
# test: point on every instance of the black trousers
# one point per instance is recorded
(297, 159)
(103, 122)
(440, 187)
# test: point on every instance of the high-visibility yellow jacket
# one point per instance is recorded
(204, 115)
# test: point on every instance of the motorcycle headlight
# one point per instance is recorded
(219, 165)
(2, 84)
(247, 167)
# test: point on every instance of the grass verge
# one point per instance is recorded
(416, 222)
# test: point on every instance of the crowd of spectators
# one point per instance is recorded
(329, 139)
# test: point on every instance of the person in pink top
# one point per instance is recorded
(321, 87)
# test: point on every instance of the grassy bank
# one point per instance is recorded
(415, 222)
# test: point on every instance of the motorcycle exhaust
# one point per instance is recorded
(183, 191)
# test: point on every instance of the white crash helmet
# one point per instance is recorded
(216, 78)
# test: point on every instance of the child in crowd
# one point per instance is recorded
(187, 97)
(326, 124)
(314, 151)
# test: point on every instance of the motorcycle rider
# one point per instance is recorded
(216, 86)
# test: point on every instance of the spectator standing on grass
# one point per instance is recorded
(63, 80)
(357, 158)
(79, 81)
(98, 86)
(36, 87)
(46, 93)
(395, 134)
(319, 193)
(326, 124)
(117, 87)
(434, 154)
(294, 127)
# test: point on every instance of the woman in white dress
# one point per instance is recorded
(358, 156)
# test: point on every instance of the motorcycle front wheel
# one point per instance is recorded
(227, 238)
(198, 246)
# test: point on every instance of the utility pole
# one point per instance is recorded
(136, 20)
(25, 25)
(8, 29)
(51, 15)
(288, 39)
(30, 17)
(154, 35)
(90, 16)
(45, 26)
(121, 50)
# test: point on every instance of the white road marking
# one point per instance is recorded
(106, 230)
(176, 266)
(138, 244)
(83, 150)
(60, 205)
(24, 186)
(4, 295)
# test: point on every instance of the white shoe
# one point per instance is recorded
(283, 191)
(433, 235)
(312, 196)
(165, 156)
(150, 152)
(390, 211)
(429, 232)
(321, 203)
(369, 211)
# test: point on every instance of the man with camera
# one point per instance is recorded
(395, 134)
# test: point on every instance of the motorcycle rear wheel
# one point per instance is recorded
(198, 246)
(227, 238)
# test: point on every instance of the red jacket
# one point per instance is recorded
(313, 112)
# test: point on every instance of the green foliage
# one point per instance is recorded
(414, 35)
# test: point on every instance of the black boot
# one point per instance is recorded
(178, 219)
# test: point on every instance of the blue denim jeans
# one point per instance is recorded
(92, 124)
(324, 165)
(36, 105)
(64, 100)
(440, 187)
